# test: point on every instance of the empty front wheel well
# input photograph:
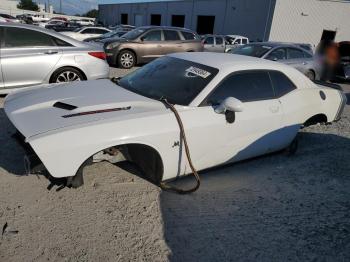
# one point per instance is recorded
(146, 158)
(319, 118)
(63, 68)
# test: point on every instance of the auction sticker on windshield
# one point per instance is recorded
(198, 72)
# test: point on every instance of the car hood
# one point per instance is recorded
(39, 110)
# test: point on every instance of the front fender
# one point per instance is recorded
(64, 152)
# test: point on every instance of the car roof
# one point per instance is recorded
(224, 60)
(165, 27)
(278, 44)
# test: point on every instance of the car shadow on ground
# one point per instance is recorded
(273, 208)
(348, 98)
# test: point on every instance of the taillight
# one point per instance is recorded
(100, 55)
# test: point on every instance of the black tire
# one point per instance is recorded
(311, 75)
(126, 59)
(67, 74)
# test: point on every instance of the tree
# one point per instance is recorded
(92, 13)
(28, 5)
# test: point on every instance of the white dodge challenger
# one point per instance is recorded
(232, 108)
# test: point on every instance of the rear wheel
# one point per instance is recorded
(126, 59)
(310, 75)
(67, 74)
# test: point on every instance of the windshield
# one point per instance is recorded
(133, 34)
(109, 34)
(251, 50)
(179, 81)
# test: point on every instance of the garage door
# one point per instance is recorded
(138, 20)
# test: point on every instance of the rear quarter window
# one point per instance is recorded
(281, 83)
(189, 35)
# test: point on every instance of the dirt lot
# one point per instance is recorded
(274, 208)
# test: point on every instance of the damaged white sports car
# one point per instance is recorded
(232, 108)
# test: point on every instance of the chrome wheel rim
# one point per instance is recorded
(67, 76)
(126, 60)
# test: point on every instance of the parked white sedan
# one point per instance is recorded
(232, 108)
(86, 32)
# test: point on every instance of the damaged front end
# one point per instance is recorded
(32, 163)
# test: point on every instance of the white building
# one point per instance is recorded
(303, 21)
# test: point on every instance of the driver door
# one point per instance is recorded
(255, 131)
(152, 45)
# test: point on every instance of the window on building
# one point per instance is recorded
(124, 19)
(171, 35)
(156, 19)
(245, 86)
(178, 20)
(205, 24)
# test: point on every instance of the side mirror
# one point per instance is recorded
(230, 104)
(142, 39)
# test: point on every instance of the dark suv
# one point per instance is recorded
(144, 44)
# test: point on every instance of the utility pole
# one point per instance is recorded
(60, 6)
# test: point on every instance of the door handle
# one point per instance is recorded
(51, 52)
(274, 109)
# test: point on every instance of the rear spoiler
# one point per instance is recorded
(330, 85)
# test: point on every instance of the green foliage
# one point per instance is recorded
(92, 13)
(28, 5)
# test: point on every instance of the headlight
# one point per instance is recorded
(112, 45)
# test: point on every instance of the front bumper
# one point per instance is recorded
(31, 161)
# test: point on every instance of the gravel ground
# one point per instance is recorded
(273, 208)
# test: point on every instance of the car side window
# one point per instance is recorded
(294, 53)
(246, 86)
(20, 37)
(171, 35)
(154, 35)
(281, 83)
(60, 42)
(307, 55)
(91, 31)
(218, 40)
(238, 42)
(209, 41)
(100, 31)
(244, 41)
(188, 35)
(278, 54)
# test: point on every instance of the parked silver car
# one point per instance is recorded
(32, 55)
(290, 54)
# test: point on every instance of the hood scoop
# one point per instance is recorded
(108, 110)
(64, 106)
